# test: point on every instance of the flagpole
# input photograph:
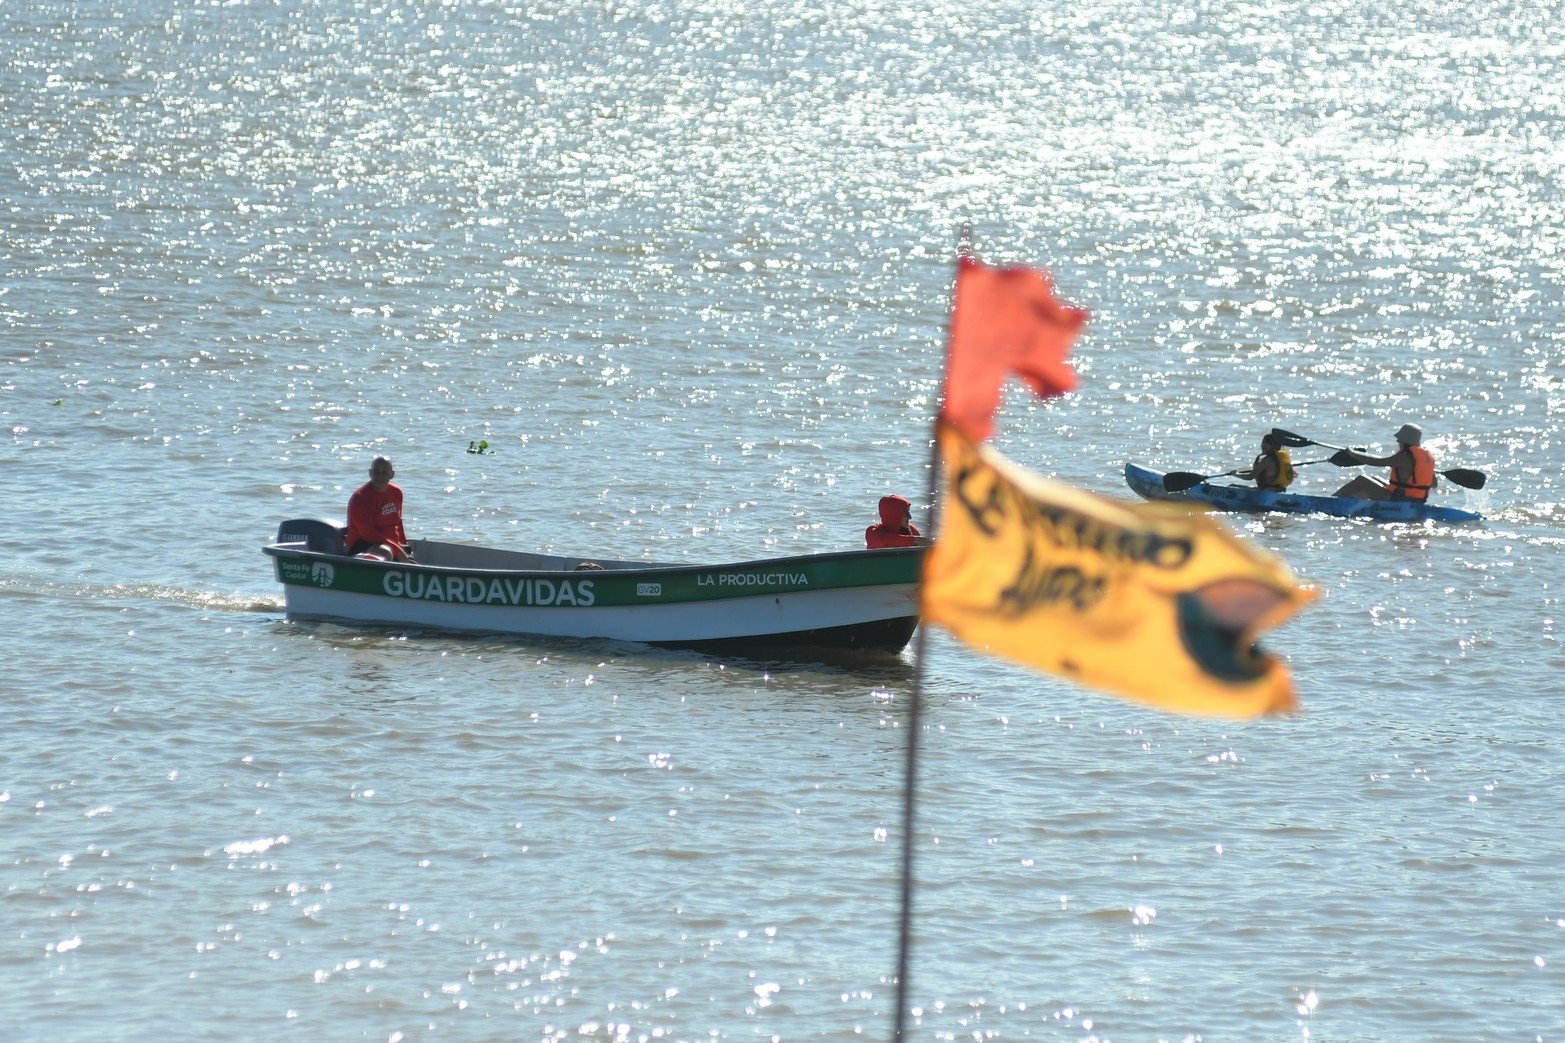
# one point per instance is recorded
(916, 693)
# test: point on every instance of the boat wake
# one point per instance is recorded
(216, 601)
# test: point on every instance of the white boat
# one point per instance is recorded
(858, 599)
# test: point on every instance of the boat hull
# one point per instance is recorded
(857, 599)
(1148, 484)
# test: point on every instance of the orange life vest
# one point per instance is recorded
(1423, 476)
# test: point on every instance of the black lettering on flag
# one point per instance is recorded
(1040, 583)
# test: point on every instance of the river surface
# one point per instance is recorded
(686, 269)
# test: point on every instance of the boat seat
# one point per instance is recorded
(317, 534)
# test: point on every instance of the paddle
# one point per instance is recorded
(1463, 476)
(1179, 481)
(1293, 441)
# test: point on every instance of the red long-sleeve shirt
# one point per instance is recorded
(376, 517)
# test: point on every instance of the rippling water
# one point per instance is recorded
(686, 269)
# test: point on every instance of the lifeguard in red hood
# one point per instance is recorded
(896, 528)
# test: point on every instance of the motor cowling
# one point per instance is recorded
(317, 534)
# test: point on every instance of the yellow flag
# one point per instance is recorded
(1154, 602)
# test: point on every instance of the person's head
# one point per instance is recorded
(381, 473)
(895, 511)
(1410, 434)
(1269, 443)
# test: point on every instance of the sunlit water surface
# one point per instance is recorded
(687, 270)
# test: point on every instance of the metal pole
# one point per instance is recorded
(916, 701)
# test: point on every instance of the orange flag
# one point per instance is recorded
(1004, 321)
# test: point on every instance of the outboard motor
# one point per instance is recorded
(316, 534)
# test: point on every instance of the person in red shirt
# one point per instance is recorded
(896, 528)
(375, 516)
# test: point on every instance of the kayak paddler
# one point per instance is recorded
(1272, 471)
(1412, 474)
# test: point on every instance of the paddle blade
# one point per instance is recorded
(1466, 478)
(1179, 481)
(1343, 458)
(1291, 440)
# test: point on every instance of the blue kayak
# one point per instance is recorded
(1148, 483)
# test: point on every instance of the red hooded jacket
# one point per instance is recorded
(896, 528)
